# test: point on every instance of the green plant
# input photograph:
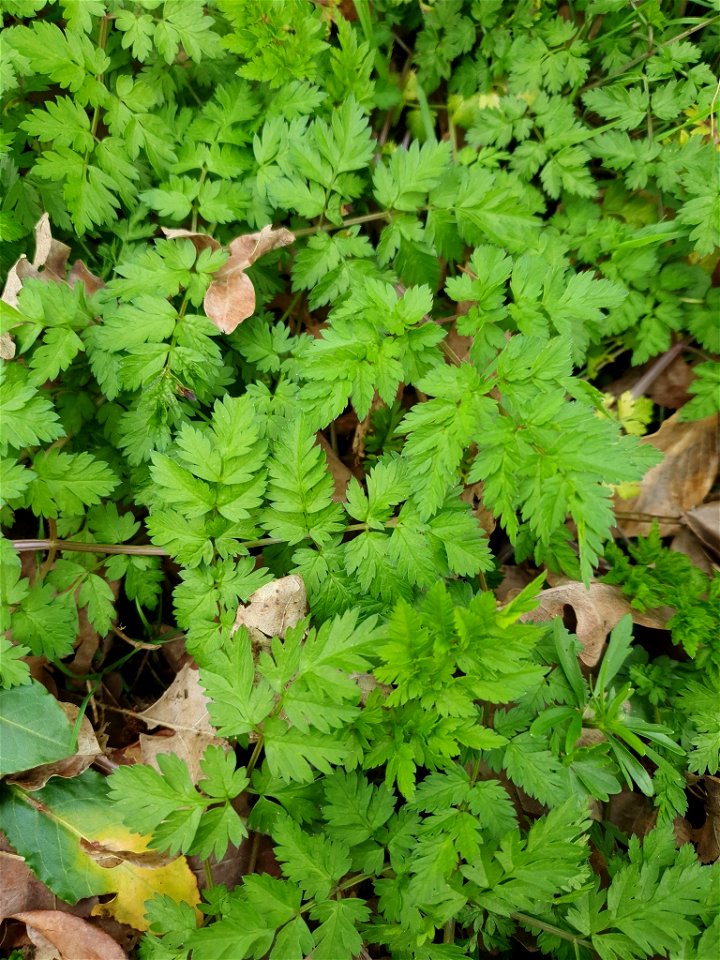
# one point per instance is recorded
(484, 206)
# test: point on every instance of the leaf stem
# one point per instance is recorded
(648, 53)
(351, 222)
(148, 550)
(551, 928)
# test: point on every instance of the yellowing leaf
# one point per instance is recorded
(70, 837)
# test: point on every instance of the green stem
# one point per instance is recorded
(644, 56)
(551, 928)
(76, 546)
(353, 221)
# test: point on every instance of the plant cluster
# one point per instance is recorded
(486, 208)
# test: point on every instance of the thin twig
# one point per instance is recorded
(661, 364)
(633, 63)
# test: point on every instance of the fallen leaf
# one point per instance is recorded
(686, 542)
(201, 241)
(678, 484)
(51, 255)
(79, 273)
(20, 888)
(7, 347)
(183, 708)
(249, 247)
(707, 837)
(59, 934)
(596, 609)
(230, 298)
(340, 473)
(86, 751)
(21, 269)
(69, 835)
(704, 521)
(274, 607)
(473, 495)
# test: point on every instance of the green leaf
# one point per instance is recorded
(315, 863)
(67, 482)
(337, 937)
(33, 727)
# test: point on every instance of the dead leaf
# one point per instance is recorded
(678, 484)
(596, 611)
(87, 750)
(246, 249)
(21, 269)
(201, 241)
(230, 298)
(340, 473)
(7, 347)
(473, 495)
(275, 607)
(183, 708)
(631, 812)
(707, 837)
(49, 264)
(80, 274)
(60, 935)
(50, 255)
(20, 888)
(704, 521)
(686, 542)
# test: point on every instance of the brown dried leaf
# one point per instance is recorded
(20, 888)
(80, 274)
(686, 542)
(473, 495)
(229, 300)
(274, 608)
(201, 241)
(704, 521)
(87, 750)
(7, 347)
(249, 247)
(597, 610)
(340, 473)
(707, 837)
(680, 482)
(61, 935)
(183, 708)
(21, 269)
(50, 255)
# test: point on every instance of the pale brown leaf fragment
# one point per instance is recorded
(230, 299)
(274, 608)
(7, 346)
(597, 610)
(201, 241)
(686, 542)
(21, 269)
(704, 521)
(249, 247)
(183, 708)
(63, 936)
(340, 473)
(79, 273)
(51, 255)
(680, 482)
